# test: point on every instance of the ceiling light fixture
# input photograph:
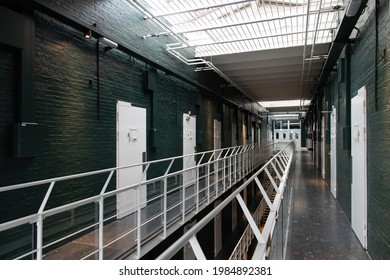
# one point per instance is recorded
(108, 42)
(88, 34)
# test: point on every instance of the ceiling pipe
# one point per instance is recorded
(342, 37)
(196, 61)
(304, 51)
(136, 4)
(210, 66)
(311, 53)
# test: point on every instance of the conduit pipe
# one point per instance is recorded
(312, 50)
(304, 52)
(196, 61)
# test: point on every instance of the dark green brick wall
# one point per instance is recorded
(344, 161)
(362, 73)
(378, 120)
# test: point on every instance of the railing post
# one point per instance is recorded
(165, 199)
(39, 236)
(165, 222)
(235, 167)
(197, 189)
(40, 221)
(184, 204)
(216, 177)
(230, 172)
(138, 190)
(208, 184)
(101, 216)
(101, 228)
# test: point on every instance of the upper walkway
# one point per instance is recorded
(319, 228)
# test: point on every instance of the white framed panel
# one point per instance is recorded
(131, 147)
(359, 166)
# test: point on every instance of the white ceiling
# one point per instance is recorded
(273, 74)
(268, 49)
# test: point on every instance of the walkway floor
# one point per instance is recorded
(319, 228)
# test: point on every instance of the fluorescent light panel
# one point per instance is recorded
(284, 103)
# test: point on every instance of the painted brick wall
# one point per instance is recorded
(362, 73)
(80, 125)
(344, 167)
(378, 121)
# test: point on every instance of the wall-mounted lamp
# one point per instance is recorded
(108, 42)
(352, 7)
(88, 34)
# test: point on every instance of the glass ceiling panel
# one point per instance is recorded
(215, 27)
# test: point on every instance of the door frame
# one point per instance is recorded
(189, 161)
(361, 194)
(142, 195)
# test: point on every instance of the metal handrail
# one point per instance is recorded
(286, 154)
(233, 163)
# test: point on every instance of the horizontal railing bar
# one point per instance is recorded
(90, 254)
(26, 254)
(18, 222)
(96, 172)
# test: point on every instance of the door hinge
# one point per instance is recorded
(365, 229)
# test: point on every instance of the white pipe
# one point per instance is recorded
(108, 42)
(304, 50)
(136, 4)
(312, 50)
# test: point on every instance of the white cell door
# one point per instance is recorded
(333, 153)
(189, 148)
(131, 148)
(359, 166)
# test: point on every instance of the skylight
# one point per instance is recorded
(285, 103)
(215, 27)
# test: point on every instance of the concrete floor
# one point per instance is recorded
(319, 228)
